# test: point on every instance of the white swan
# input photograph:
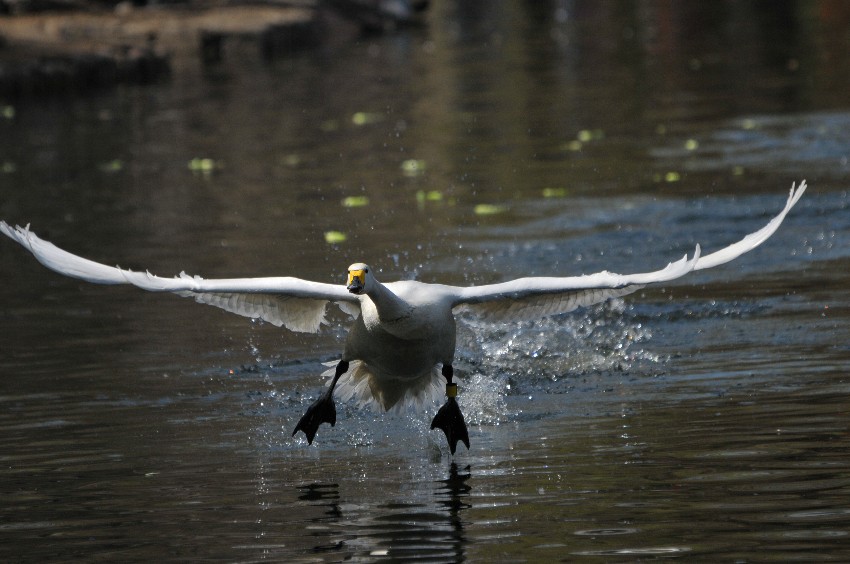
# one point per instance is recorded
(402, 343)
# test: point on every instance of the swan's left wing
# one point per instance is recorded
(298, 305)
(532, 298)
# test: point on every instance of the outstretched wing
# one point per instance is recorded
(532, 298)
(755, 239)
(298, 305)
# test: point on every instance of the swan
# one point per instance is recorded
(401, 344)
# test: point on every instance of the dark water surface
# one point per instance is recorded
(704, 420)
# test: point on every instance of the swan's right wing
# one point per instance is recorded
(298, 305)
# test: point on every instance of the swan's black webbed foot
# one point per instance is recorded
(449, 419)
(321, 411)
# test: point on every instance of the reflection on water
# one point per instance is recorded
(785, 143)
(703, 420)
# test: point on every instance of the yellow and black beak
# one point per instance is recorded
(356, 281)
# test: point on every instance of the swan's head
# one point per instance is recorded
(359, 278)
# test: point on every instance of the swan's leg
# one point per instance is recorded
(323, 409)
(449, 418)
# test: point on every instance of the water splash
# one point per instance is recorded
(493, 363)
(602, 339)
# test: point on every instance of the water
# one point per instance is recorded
(702, 420)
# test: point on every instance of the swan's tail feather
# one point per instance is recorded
(369, 387)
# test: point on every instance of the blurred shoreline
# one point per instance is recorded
(65, 48)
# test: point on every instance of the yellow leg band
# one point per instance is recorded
(451, 390)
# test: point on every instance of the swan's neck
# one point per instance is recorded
(389, 306)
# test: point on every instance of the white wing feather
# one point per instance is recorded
(536, 307)
(752, 240)
(532, 298)
(296, 314)
(298, 305)
(61, 261)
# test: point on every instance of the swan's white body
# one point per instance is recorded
(403, 331)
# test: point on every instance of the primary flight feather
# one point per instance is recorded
(402, 342)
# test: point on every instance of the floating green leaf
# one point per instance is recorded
(489, 209)
(413, 167)
(8, 112)
(202, 165)
(691, 144)
(355, 201)
(365, 118)
(586, 135)
(554, 192)
(423, 196)
(8, 167)
(335, 237)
